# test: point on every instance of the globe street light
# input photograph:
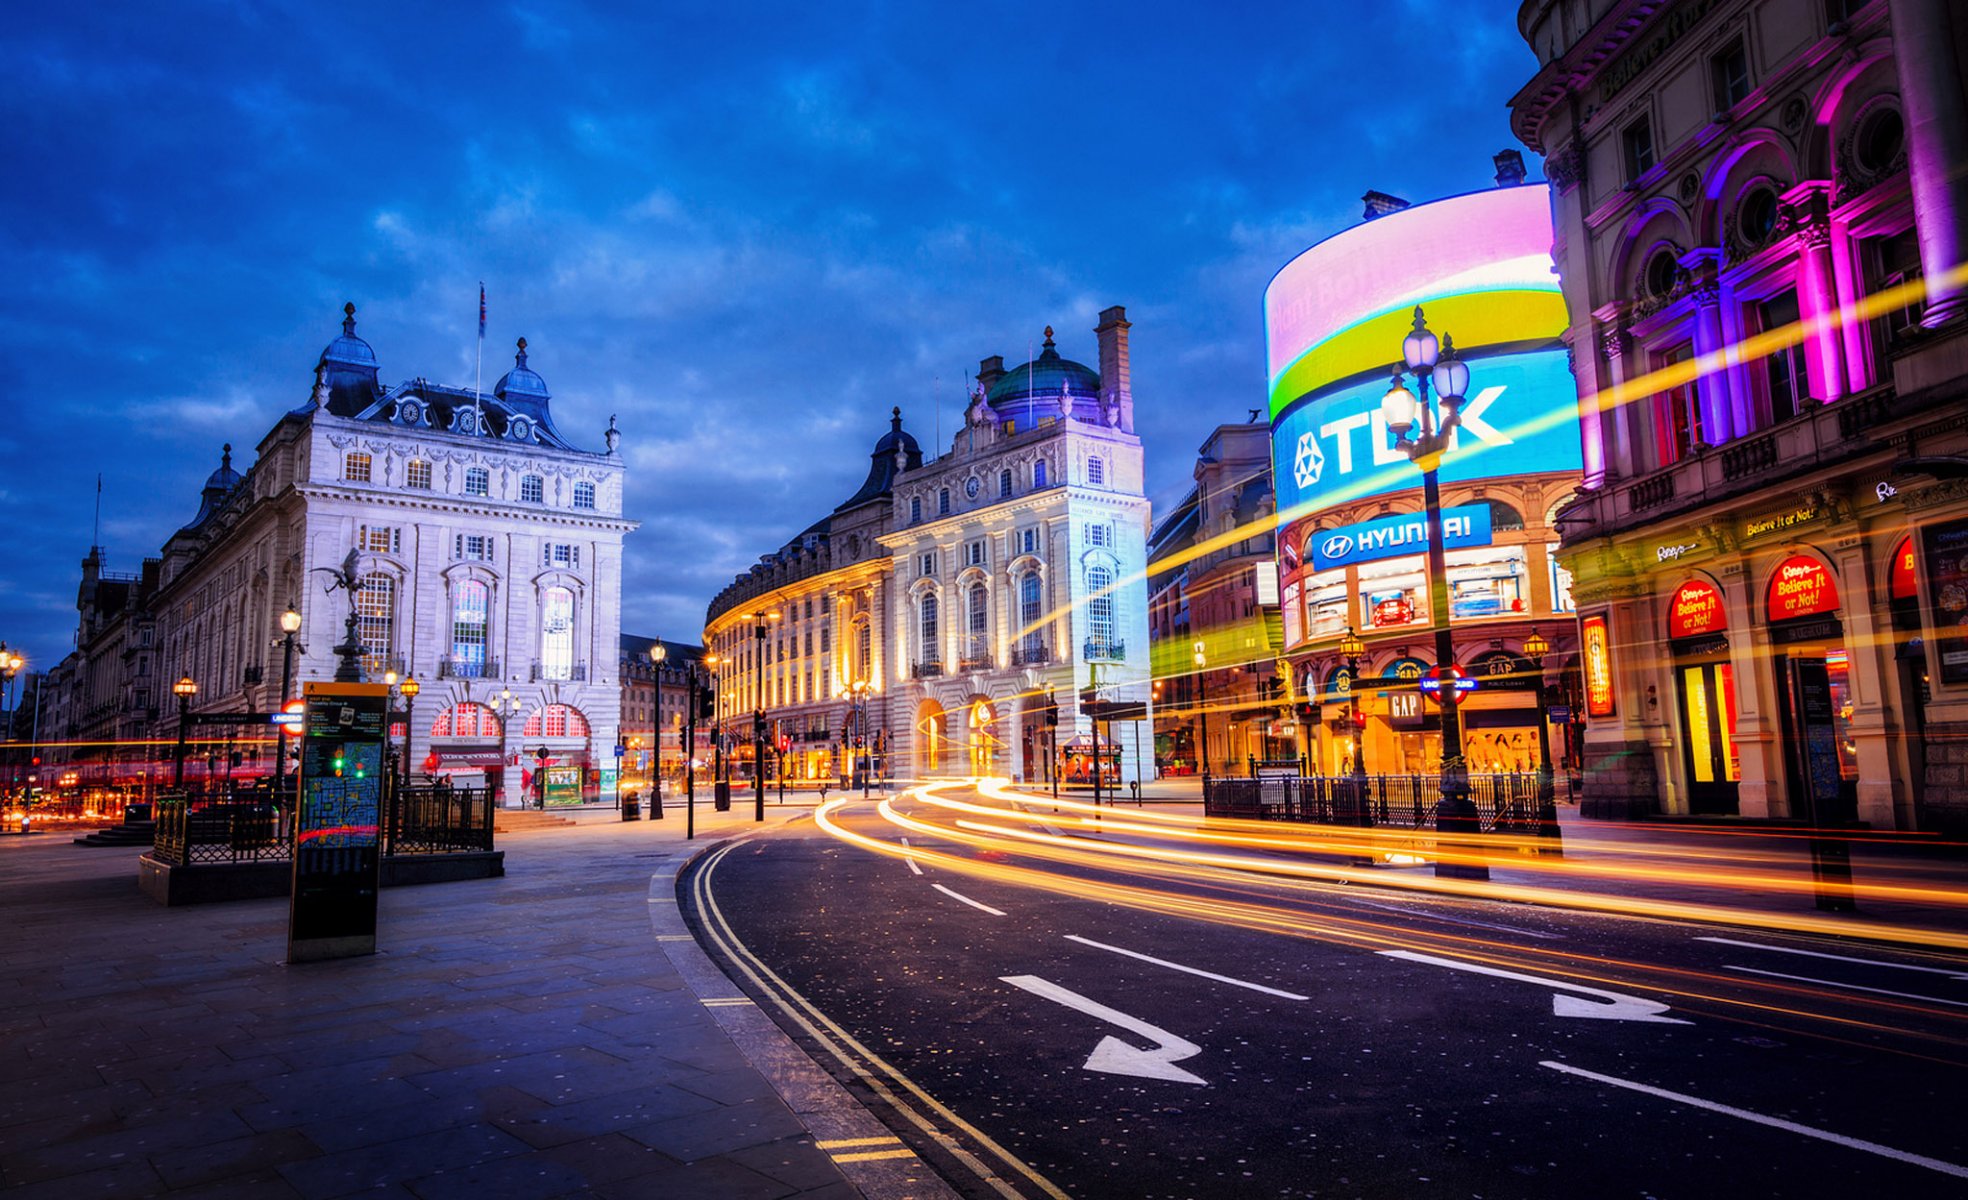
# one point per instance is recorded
(657, 653)
(409, 687)
(1430, 362)
(1535, 648)
(1202, 716)
(184, 689)
(290, 624)
(761, 621)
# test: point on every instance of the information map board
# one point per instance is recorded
(338, 825)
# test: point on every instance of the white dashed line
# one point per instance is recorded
(1162, 962)
(996, 912)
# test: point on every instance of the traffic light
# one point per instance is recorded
(706, 704)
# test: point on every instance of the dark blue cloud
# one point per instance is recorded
(746, 229)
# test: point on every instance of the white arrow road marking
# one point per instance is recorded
(1618, 1006)
(996, 912)
(1162, 962)
(1112, 1055)
(1850, 987)
(1951, 973)
(1837, 1139)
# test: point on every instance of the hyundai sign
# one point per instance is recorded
(1390, 537)
(1520, 418)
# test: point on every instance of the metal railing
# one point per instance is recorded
(576, 672)
(928, 668)
(1106, 650)
(1506, 803)
(433, 819)
(467, 668)
(1034, 654)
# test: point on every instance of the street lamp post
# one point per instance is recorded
(761, 621)
(290, 624)
(1549, 839)
(184, 689)
(10, 665)
(505, 706)
(1435, 363)
(1202, 717)
(860, 748)
(409, 687)
(657, 653)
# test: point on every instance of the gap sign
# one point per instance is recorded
(1391, 537)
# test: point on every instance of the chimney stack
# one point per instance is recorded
(1379, 204)
(989, 371)
(1115, 386)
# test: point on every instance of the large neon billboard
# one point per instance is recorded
(1480, 266)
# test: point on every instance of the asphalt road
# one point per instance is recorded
(1310, 1039)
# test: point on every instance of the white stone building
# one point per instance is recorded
(1019, 560)
(489, 554)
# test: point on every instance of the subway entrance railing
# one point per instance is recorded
(249, 827)
(1506, 803)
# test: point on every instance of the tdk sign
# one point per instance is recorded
(1391, 537)
(1521, 416)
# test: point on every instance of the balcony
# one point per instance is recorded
(1097, 651)
(467, 668)
(928, 668)
(978, 657)
(1031, 654)
(571, 673)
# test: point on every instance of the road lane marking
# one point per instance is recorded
(1852, 987)
(1869, 962)
(1173, 966)
(1423, 913)
(1618, 1007)
(910, 861)
(996, 912)
(1838, 1139)
(1113, 1056)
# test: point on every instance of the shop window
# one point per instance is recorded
(1325, 604)
(1487, 582)
(1786, 377)
(1392, 592)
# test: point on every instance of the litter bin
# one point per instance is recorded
(632, 807)
(721, 796)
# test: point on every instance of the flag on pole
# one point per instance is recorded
(481, 310)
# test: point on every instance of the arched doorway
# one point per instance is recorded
(932, 732)
(570, 776)
(985, 745)
(1814, 689)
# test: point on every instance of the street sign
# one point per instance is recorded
(1449, 679)
(337, 842)
(289, 718)
(1560, 714)
(620, 750)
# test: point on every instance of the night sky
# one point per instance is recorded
(746, 230)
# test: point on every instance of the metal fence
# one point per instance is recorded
(1506, 803)
(437, 819)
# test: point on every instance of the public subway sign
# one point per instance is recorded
(1696, 610)
(1802, 587)
(1390, 537)
(1598, 666)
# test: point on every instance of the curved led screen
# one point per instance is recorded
(1480, 267)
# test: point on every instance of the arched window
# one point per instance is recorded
(864, 652)
(1100, 612)
(1503, 517)
(532, 489)
(556, 720)
(927, 626)
(557, 634)
(977, 604)
(375, 621)
(584, 495)
(1030, 610)
(1096, 472)
(1038, 474)
(417, 475)
(355, 467)
(466, 720)
(478, 481)
(470, 615)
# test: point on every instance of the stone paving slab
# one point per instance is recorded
(523, 1036)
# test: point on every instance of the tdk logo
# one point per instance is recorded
(1339, 545)
(1309, 459)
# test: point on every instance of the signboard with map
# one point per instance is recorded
(338, 824)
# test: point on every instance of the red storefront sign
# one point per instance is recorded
(1696, 610)
(1597, 641)
(1904, 584)
(1801, 587)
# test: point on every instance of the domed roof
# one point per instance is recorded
(1033, 389)
(348, 349)
(521, 381)
(218, 485)
(882, 467)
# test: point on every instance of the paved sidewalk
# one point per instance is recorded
(524, 1036)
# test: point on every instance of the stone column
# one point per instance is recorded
(1869, 651)
(1617, 425)
(1817, 288)
(1718, 391)
(1761, 791)
(1931, 95)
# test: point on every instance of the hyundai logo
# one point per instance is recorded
(1339, 545)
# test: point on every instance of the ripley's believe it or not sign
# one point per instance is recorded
(1695, 610)
(1480, 266)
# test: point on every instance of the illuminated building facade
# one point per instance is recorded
(1213, 581)
(822, 600)
(1761, 215)
(487, 551)
(1352, 538)
(645, 685)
